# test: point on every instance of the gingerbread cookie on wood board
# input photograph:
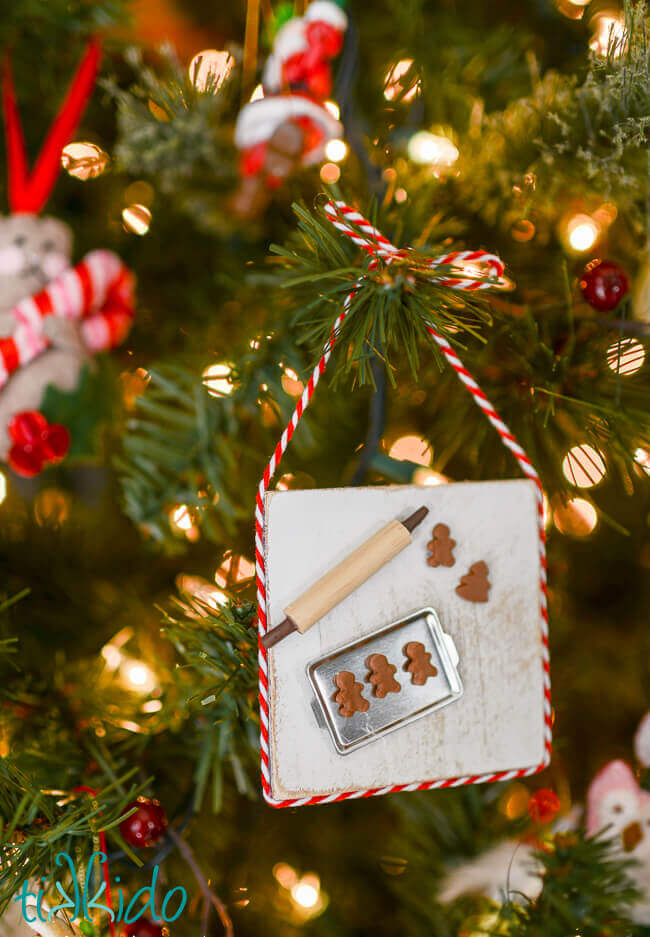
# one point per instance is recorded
(419, 663)
(474, 586)
(349, 695)
(381, 676)
(441, 547)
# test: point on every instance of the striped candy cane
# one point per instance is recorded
(98, 291)
(353, 225)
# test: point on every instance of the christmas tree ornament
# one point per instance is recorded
(147, 824)
(603, 284)
(290, 126)
(456, 724)
(617, 806)
(143, 927)
(53, 317)
(543, 806)
(35, 443)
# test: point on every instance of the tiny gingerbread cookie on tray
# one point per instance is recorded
(349, 695)
(381, 675)
(419, 663)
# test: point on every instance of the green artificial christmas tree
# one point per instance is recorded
(150, 371)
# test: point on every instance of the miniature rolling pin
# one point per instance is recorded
(347, 576)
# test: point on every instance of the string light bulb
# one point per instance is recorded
(584, 466)
(609, 36)
(336, 150)
(393, 85)
(217, 378)
(136, 218)
(575, 518)
(429, 149)
(626, 356)
(84, 160)
(582, 232)
(411, 448)
(209, 69)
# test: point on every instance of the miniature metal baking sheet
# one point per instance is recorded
(395, 709)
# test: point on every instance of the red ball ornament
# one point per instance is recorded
(543, 805)
(143, 927)
(146, 826)
(603, 284)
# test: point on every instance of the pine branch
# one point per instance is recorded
(391, 306)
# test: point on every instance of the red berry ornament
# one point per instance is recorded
(543, 805)
(143, 927)
(603, 284)
(146, 826)
(36, 443)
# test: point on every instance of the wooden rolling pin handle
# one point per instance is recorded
(276, 634)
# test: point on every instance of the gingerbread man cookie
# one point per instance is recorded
(419, 663)
(441, 547)
(381, 675)
(349, 695)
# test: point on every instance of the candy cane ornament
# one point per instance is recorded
(98, 292)
(353, 225)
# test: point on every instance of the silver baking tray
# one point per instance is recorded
(395, 709)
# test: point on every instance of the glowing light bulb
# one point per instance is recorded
(84, 160)
(609, 35)
(411, 449)
(181, 521)
(285, 875)
(217, 378)
(429, 149)
(576, 518)
(626, 356)
(137, 675)
(393, 85)
(336, 150)
(330, 173)
(642, 459)
(304, 894)
(582, 233)
(209, 69)
(429, 478)
(136, 219)
(291, 383)
(584, 466)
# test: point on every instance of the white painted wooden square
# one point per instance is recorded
(498, 724)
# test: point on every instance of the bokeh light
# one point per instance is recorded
(210, 68)
(584, 466)
(218, 380)
(609, 36)
(84, 160)
(427, 148)
(411, 448)
(575, 518)
(330, 173)
(626, 356)
(394, 87)
(3, 487)
(136, 219)
(336, 150)
(582, 232)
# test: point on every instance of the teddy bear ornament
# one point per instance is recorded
(53, 317)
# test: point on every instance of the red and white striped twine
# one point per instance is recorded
(375, 244)
(99, 291)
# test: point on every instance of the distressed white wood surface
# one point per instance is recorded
(499, 722)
